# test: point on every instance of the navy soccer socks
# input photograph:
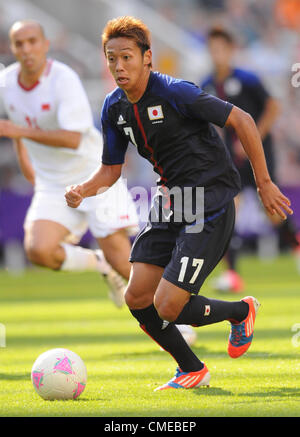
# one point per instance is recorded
(168, 337)
(201, 311)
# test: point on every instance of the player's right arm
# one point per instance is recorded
(115, 144)
(104, 178)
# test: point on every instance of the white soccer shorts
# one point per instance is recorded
(103, 214)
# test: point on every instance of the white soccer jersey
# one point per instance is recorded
(56, 101)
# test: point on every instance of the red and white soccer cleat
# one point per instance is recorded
(117, 287)
(116, 284)
(187, 379)
(241, 334)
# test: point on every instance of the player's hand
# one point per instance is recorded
(273, 200)
(9, 129)
(74, 195)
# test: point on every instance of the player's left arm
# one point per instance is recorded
(54, 138)
(272, 198)
(24, 161)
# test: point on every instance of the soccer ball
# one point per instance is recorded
(59, 374)
(188, 333)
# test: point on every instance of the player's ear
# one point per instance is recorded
(47, 45)
(148, 58)
(12, 47)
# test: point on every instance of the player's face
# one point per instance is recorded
(221, 52)
(128, 66)
(30, 48)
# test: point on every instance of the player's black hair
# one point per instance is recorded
(128, 27)
(220, 32)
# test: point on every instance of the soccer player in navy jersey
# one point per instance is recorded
(244, 89)
(169, 122)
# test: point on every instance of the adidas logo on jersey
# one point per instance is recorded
(121, 120)
(165, 324)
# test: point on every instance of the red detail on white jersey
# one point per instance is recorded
(48, 67)
(25, 88)
(45, 107)
(31, 122)
(54, 166)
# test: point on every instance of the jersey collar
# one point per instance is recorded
(44, 74)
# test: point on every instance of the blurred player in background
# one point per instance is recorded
(245, 90)
(56, 143)
(169, 122)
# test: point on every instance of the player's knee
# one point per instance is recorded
(33, 253)
(135, 300)
(129, 298)
(39, 254)
(132, 299)
(166, 311)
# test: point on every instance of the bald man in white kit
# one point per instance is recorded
(50, 121)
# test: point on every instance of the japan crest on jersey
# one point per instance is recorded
(155, 112)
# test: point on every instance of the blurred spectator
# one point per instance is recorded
(245, 90)
(212, 4)
(287, 13)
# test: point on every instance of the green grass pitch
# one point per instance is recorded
(41, 310)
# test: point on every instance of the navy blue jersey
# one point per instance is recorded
(245, 90)
(171, 126)
(241, 88)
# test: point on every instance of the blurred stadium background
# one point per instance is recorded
(268, 33)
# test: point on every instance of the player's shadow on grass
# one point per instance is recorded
(69, 338)
(199, 351)
(14, 376)
(211, 391)
(276, 391)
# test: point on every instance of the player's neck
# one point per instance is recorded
(137, 93)
(28, 79)
(222, 72)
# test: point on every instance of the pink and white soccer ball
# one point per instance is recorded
(59, 374)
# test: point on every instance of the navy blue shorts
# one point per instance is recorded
(188, 258)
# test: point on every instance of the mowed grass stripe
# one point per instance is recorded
(43, 310)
